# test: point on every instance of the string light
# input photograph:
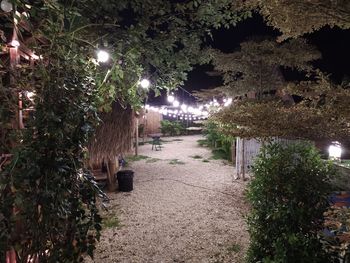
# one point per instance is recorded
(6, 6)
(145, 83)
(171, 98)
(102, 56)
(176, 103)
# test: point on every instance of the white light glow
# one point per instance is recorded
(145, 83)
(176, 103)
(30, 95)
(335, 151)
(171, 98)
(147, 107)
(15, 43)
(102, 56)
(6, 6)
(184, 107)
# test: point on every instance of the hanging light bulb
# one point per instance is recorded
(171, 98)
(15, 43)
(176, 103)
(102, 56)
(145, 83)
(6, 6)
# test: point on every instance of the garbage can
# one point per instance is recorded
(125, 180)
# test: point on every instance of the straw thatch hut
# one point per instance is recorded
(112, 137)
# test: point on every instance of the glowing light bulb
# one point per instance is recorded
(102, 56)
(14, 43)
(6, 6)
(145, 83)
(176, 103)
(171, 98)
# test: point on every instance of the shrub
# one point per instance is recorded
(171, 127)
(288, 196)
(219, 142)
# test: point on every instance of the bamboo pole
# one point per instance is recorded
(112, 168)
(137, 137)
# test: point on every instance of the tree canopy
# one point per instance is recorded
(295, 18)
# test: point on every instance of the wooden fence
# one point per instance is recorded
(246, 152)
(151, 121)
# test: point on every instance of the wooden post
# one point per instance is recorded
(137, 137)
(112, 168)
(233, 152)
(243, 159)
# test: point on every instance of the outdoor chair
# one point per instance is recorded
(156, 143)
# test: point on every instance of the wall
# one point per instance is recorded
(151, 120)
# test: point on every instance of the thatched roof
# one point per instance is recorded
(114, 135)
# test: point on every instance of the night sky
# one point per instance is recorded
(333, 43)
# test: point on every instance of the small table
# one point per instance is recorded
(156, 141)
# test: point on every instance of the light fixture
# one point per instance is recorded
(30, 95)
(145, 83)
(102, 56)
(6, 6)
(335, 151)
(171, 98)
(176, 103)
(184, 107)
(15, 43)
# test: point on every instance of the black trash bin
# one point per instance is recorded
(125, 180)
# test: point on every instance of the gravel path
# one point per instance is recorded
(189, 212)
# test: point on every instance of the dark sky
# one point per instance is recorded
(334, 45)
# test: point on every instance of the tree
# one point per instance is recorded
(295, 18)
(322, 113)
(257, 65)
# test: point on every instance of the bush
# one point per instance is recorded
(288, 196)
(219, 142)
(171, 127)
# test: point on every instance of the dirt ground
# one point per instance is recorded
(185, 207)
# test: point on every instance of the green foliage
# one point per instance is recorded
(202, 142)
(152, 160)
(298, 17)
(111, 221)
(137, 158)
(256, 66)
(338, 224)
(45, 189)
(176, 161)
(288, 196)
(171, 127)
(234, 248)
(219, 142)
